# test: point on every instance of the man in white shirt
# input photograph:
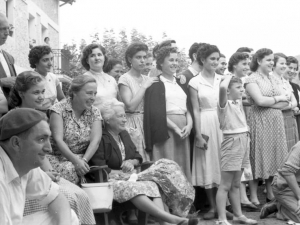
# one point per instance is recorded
(24, 138)
(7, 69)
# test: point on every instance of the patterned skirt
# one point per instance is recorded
(268, 147)
(77, 198)
(164, 178)
(65, 168)
(290, 127)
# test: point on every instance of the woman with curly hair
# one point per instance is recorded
(204, 91)
(268, 147)
(41, 59)
(94, 59)
(133, 86)
(167, 120)
(114, 68)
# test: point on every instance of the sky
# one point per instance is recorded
(229, 24)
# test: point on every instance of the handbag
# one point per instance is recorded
(100, 195)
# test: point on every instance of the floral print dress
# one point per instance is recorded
(76, 136)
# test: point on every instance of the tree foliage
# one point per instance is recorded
(115, 45)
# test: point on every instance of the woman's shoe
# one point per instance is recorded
(243, 220)
(257, 204)
(249, 206)
(229, 216)
(223, 222)
(269, 200)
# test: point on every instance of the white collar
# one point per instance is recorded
(193, 71)
(163, 79)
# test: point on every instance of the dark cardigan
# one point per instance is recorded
(155, 114)
(296, 88)
(108, 153)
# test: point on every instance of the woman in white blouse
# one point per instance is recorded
(167, 115)
(93, 60)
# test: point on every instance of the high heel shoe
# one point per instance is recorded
(193, 221)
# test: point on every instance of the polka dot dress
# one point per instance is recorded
(268, 147)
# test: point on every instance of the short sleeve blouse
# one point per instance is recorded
(50, 90)
(107, 87)
(76, 132)
(267, 85)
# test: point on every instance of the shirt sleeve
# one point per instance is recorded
(41, 187)
(193, 83)
(96, 114)
(123, 80)
(250, 79)
(57, 107)
(292, 164)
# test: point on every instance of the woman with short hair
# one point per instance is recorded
(167, 120)
(94, 59)
(132, 86)
(268, 147)
(114, 68)
(204, 91)
(76, 129)
(41, 60)
(155, 186)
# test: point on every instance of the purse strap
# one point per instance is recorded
(82, 178)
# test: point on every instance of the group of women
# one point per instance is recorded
(153, 121)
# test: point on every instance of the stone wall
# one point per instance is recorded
(18, 45)
(50, 7)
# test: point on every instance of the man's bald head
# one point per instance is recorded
(4, 29)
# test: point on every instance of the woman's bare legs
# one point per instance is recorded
(270, 194)
(253, 184)
(156, 209)
(211, 196)
(244, 197)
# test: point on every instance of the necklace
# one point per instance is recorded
(119, 143)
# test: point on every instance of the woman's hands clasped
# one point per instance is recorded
(127, 166)
(81, 167)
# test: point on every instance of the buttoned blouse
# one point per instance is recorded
(51, 83)
(36, 184)
(107, 87)
(208, 95)
(175, 96)
(284, 85)
(76, 131)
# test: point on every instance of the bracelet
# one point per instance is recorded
(275, 100)
(84, 159)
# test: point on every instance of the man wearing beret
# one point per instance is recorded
(24, 138)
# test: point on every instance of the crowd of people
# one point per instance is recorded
(221, 125)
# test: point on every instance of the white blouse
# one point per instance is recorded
(107, 87)
(175, 96)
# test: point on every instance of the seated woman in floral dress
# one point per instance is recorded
(164, 181)
(28, 92)
(76, 129)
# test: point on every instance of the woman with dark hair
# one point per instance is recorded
(290, 74)
(76, 129)
(133, 86)
(41, 59)
(204, 91)
(290, 124)
(114, 68)
(94, 59)
(28, 92)
(168, 121)
(222, 66)
(268, 147)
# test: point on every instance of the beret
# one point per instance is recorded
(19, 120)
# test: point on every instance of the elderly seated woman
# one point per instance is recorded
(28, 92)
(163, 182)
(76, 129)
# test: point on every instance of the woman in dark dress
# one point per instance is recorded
(164, 181)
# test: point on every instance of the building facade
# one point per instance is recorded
(32, 22)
